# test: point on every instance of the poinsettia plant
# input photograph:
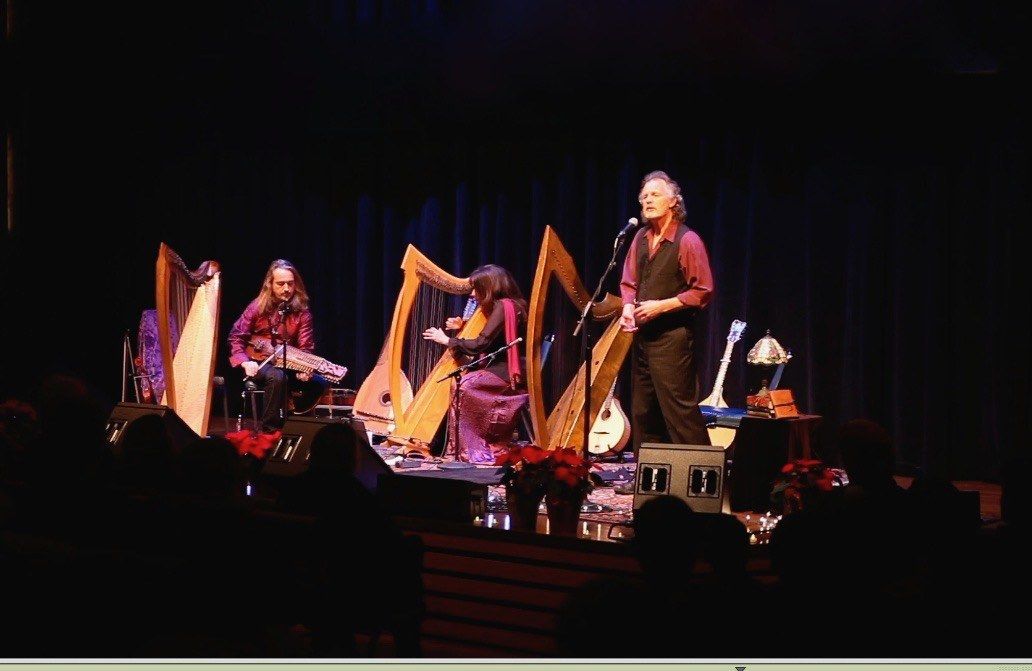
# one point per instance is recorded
(571, 474)
(253, 443)
(532, 470)
(802, 481)
(527, 469)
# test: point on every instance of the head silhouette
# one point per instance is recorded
(867, 454)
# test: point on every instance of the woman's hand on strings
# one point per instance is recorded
(435, 334)
(454, 323)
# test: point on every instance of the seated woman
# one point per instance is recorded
(490, 397)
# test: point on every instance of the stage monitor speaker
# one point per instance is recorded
(289, 457)
(449, 499)
(125, 414)
(695, 474)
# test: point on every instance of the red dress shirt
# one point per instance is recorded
(296, 329)
(691, 256)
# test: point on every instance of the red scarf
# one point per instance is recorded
(513, 353)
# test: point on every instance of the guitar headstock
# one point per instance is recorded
(737, 326)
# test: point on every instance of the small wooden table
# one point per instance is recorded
(761, 447)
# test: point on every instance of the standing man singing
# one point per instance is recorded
(666, 281)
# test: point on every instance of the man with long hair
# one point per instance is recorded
(666, 281)
(280, 313)
(491, 397)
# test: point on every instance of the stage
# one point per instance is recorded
(496, 592)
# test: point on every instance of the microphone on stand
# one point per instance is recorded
(631, 227)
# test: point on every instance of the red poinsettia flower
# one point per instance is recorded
(253, 443)
(567, 456)
(508, 457)
(533, 454)
(825, 484)
(567, 476)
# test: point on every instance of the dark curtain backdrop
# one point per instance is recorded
(879, 238)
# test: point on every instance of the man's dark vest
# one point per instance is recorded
(662, 277)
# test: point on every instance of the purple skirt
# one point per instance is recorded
(487, 412)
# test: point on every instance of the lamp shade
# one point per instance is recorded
(767, 352)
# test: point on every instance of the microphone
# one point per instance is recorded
(631, 227)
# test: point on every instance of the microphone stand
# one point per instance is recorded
(274, 329)
(457, 374)
(582, 329)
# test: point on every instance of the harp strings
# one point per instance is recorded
(181, 300)
(565, 356)
(428, 309)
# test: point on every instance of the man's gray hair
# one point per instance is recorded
(679, 212)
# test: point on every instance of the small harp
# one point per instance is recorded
(410, 366)
(562, 425)
(188, 327)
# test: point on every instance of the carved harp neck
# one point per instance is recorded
(557, 427)
(421, 418)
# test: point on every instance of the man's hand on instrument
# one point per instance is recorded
(304, 377)
(627, 322)
(435, 334)
(646, 311)
(455, 323)
(250, 368)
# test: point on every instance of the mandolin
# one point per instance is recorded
(611, 429)
(716, 397)
(720, 435)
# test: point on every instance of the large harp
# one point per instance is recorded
(562, 425)
(409, 369)
(188, 328)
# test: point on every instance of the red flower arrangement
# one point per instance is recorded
(556, 471)
(562, 477)
(526, 469)
(801, 481)
(253, 443)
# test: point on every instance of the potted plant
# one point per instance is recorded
(567, 488)
(526, 477)
(801, 483)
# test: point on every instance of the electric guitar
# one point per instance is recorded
(720, 435)
(611, 429)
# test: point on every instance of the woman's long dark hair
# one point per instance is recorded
(492, 283)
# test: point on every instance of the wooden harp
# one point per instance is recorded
(562, 425)
(188, 328)
(415, 366)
